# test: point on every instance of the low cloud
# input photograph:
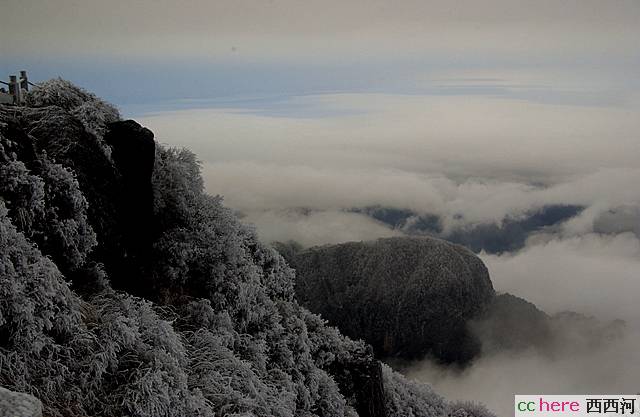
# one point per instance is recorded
(256, 189)
(593, 274)
(467, 161)
(493, 380)
(316, 228)
(454, 136)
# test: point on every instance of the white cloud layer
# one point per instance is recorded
(592, 274)
(494, 380)
(461, 135)
(467, 159)
(316, 228)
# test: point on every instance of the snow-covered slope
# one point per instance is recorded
(129, 291)
(406, 296)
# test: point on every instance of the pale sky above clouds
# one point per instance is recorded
(580, 51)
(286, 28)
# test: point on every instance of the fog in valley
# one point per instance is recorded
(464, 163)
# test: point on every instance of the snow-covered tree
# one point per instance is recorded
(93, 112)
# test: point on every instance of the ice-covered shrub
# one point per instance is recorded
(36, 304)
(138, 361)
(40, 322)
(65, 233)
(46, 204)
(23, 193)
(468, 409)
(93, 112)
(408, 398)
(177, 186)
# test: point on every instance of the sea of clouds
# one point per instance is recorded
(468, 160)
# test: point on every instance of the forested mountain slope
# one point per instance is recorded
(126, 290)
(408, 297)
(415, 297)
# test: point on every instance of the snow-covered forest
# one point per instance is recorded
(126, 290)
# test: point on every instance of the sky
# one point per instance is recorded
(473, 111)
(159, 51)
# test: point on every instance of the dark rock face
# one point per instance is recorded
(362, 380)
(369, 390)
(353, 366)
(405, 296)
(117, 187)
(46, 140)
(133, 153)
(64, 139)
(20, 143)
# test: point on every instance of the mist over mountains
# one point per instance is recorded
(545, 193)
(508, 236)
(542, 191)
(509, 160)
